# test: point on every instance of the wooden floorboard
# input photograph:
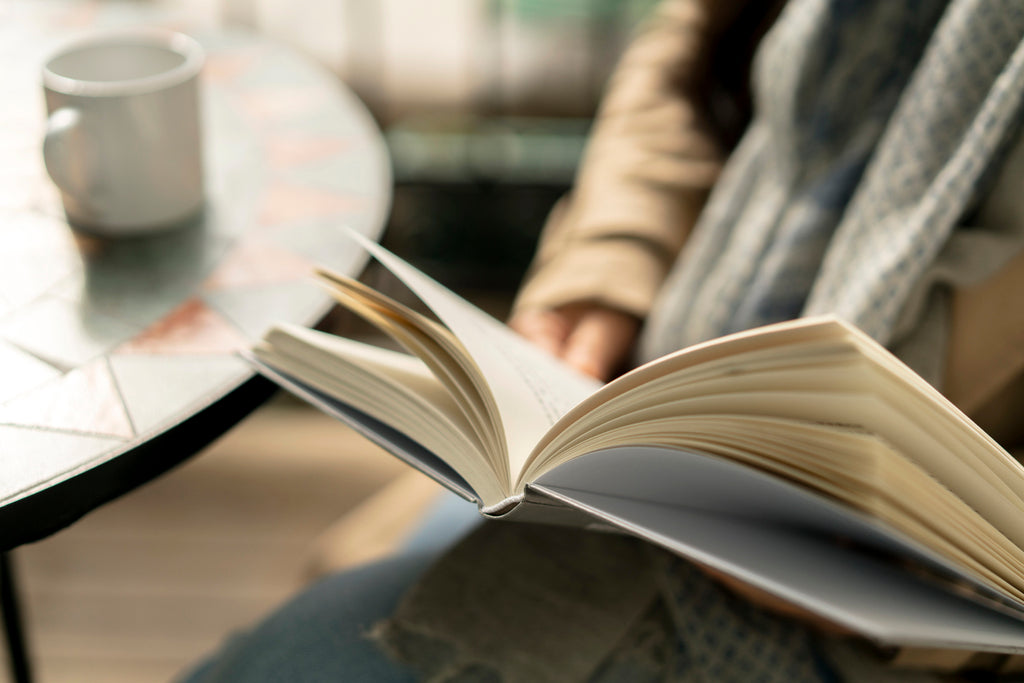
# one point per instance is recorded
(151, 582)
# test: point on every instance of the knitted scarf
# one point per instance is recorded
(877, 127)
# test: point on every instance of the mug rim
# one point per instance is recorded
(180, 43)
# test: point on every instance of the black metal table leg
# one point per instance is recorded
(13, 627)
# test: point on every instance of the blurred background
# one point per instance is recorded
(485, 105)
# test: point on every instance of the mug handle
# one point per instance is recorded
(59, 154)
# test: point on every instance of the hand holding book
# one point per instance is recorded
(590, 337)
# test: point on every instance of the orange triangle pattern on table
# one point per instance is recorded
(287, 152)
(253, 262)
(192, 327)
(292, 203)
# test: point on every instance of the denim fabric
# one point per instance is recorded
(320, 635)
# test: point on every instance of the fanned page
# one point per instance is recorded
(394, 388)
(532, 389)
(805, 401)
(821, 371)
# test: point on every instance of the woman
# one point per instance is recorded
(871, 172)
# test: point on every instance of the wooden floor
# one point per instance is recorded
(148, 583)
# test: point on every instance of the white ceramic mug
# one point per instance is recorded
(123, 141)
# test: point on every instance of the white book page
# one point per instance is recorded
(403, 374)
(379, 433)
(531, 388)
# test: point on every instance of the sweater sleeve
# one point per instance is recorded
(650, 162)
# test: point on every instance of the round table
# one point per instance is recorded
(118, 358)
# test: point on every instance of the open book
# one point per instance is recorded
(802, 458)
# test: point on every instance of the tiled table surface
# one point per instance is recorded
(107, 345)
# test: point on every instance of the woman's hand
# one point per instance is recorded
(591, 337)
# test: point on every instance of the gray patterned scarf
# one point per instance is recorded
(877, 126)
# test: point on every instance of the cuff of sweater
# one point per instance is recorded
(621, 273)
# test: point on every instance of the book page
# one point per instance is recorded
(532, 388)
(836, 375)
(957, 546)
(392, 388)
(388, 438)
(839, 583)
(438, 348)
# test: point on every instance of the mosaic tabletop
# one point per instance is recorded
(118, 358)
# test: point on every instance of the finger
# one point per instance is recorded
(548, 329)
(600, 341)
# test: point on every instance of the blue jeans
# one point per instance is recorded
(320, 635)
